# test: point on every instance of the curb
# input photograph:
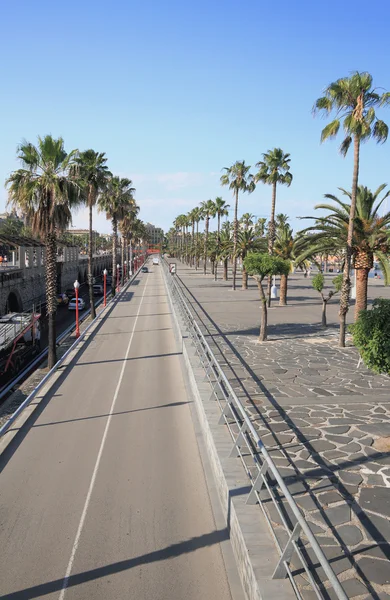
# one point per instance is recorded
(253, 548)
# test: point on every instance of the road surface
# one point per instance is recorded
(105, 497)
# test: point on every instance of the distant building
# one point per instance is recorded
(95, 234)
(155, 234)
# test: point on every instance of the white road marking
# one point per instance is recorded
(99, 456)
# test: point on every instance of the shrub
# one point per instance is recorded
(371, 336)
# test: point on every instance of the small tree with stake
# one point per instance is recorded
(260, 265)
(318, 283)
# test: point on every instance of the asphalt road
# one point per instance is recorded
(105, 497)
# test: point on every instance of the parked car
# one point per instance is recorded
(144, 270)
(72, 304)
(98, 289)
(156, 261)
(62, 299)
(109, 279)
(70, 293)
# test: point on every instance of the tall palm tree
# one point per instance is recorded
(127, 226)
(247, 220)
(247, 242)
(353, 99)
(225, 249)
(284, 248)
(221, 210)
(93, 172)
(44, 189)
(238, 178)
(116, 201)
(192, 215)
(274, 169)
(199, 216)
(370, 235)
(209, 210)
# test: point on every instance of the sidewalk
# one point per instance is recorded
(326, 423)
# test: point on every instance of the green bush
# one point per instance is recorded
(371, 336)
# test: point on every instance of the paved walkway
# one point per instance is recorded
(103, 494)
(326, 423)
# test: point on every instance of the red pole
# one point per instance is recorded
(124, 273)
(77, 313)
(105, 289)
(117, 279)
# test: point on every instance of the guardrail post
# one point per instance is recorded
(281, 571)
(227, 412)
(258, 484)
(239, 440)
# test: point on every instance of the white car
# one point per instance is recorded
(72, 304)
(156, 261)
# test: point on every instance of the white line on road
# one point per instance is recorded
(99, 456)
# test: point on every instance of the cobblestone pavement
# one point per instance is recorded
(325, 421)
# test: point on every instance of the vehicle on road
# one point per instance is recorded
(20, 335)
(109, 279)
(156, 261)
(73, 303)
(144, 270)
(62, 299)
(98, 290)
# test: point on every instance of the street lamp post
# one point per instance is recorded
(76, 289)
(105, 286)
(117, 277)
(124, 273)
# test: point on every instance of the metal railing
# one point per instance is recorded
(267, 485)
(34, 392)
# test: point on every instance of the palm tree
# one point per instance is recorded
(273, 169)
(260, 226)
(238, 178)
(247, 242)
(247, 220)
(116, 201)
(44, 189)
(93, 173)
(354, 101)
(127, 226)
(284, 248)
(192, 216)
(198, 216)
(370, 235)
(209, 210)
(225, 248)
(221, 210)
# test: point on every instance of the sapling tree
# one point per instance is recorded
(260, 265)
(318, 283)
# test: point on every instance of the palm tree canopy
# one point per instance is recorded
(274, 168)
(247, 241)
(238, 178)
(247, 219)
(118, 198)
(43, 188)
(371, 231)
(221, 208)
(353, 100)
(208, 208)
(91, 168)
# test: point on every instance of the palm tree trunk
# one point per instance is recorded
(218, 244)
(90, 255)
(123, 260)
(114, 247)
(346, 286)
(225, 268)
(283, 290)
(51, 295)
(271, 237)
(361, 290)
(206, 236)
(192, 243)
(235, 234)
(324, 305)
(263, 324)
(244, 284)
(197, 246)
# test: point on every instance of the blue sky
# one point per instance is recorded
(175, 91)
